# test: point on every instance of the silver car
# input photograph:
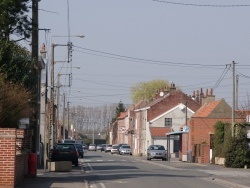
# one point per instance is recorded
(156, 152)
(115, 149)
(108, 148)
(125, 149)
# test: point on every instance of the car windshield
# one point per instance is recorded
(157, 148)
(65, 147)
(125, 146)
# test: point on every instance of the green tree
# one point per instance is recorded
(147, 90)
(14, 19)
(119, 108)
(16, 65)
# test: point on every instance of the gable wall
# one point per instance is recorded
(178, 119)
(223, 110)
(121, 131)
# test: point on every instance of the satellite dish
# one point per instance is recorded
(161, 93)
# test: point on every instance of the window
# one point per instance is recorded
(168, 122)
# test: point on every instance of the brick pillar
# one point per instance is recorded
(7, 157)
(205, 149)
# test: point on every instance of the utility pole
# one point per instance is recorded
(63, 116)
(237, 92)
(34, 55)
(58, 106)
(34, 50)
(233, 99)
(68, 121)
(52, 119)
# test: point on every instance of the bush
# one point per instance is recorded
(221, 139)
(238, 154)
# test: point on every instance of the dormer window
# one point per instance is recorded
(168, 122)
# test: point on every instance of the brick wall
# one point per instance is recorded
(200, 130)
(205, 153)
(7, 157)
(15, 145)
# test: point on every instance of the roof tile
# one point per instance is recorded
(159, 131)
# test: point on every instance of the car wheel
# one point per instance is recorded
(149, 159)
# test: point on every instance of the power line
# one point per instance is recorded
(142, 60)
(101, 83)
(203, 5)
(242, 75)
(221, 77)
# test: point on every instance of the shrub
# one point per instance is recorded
(238, 154)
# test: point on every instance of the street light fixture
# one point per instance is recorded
(79, 36)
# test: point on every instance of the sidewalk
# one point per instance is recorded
(73, 179)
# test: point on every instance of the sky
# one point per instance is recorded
(191, 43)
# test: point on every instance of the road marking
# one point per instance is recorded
(99, 160)
(90, 167)
(102, 185)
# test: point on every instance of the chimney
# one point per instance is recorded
(201, 94)
(209, 97)
(172, 87)
(43, 51)
(197, 97)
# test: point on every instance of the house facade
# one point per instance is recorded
(168, 112)
(202, 127)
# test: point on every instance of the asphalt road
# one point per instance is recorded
(103, 170)
(114, 171)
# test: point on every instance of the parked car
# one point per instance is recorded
(99, 147)
(65, 152)
(156, 152)
(84, 146)
(119, 145)
(92, 147)
(104, 147)
(79, 148)
(108, 148)
(125, 149)
(115, 149)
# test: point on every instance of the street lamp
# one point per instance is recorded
(79, 36)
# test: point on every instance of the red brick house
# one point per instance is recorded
(202, 128)
(118, 129)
